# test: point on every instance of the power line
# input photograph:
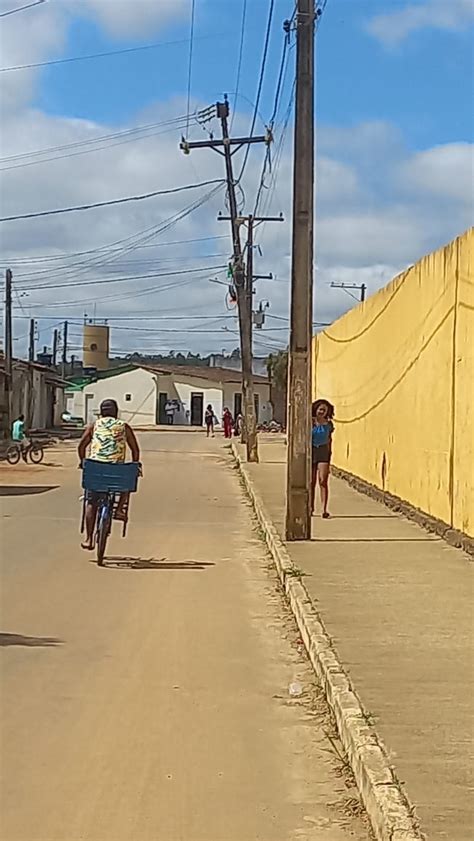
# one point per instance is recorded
(260, 84)
(21, 8)
(124, 51)
(239, 61)
(190, 63)
(39, 258)
(101, 281)
(112, 201)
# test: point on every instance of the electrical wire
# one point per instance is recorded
(40, 258)
(260, 85)
(21, 8)
(151, 195)
(91, 56)
(101, 281)
(239, 62)
(190, 63)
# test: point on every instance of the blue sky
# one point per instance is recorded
(394, 142)
(420, 84)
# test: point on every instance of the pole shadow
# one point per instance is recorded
(26, 490)
(129, 562)
(29, 642)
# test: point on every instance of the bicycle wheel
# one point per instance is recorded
(103, 531)
(36, 453)
(13, 454)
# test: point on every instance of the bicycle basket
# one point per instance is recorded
(110, 478)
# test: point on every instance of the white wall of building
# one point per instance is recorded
(137, 395)
(134, 391)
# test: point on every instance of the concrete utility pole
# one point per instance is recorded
(360, 287)
(224, 147)
(298, 507)
(8, 348)
(250, 277)
(64, 357)
(31, 345)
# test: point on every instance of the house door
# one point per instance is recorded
(197, 408)
(237, 404)
(162, 401)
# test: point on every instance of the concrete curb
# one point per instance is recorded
(390, 813)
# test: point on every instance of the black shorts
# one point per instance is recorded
(321, 455)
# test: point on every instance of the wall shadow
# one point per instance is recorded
(29, 642)
(26, 490)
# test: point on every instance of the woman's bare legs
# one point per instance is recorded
(323, 478)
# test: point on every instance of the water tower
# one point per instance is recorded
(96, 346)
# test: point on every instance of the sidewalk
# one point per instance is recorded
(398, 604)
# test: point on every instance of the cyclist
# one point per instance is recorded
(19, 434)
(108, 438)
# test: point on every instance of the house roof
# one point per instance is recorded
(51, 376)
(203, 372)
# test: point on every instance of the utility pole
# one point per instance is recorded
(64, 358)
(224, 148)
(298, 510)
(251, 221)
(8, 348)
(360, 287)
(55, 348)
(31, 346)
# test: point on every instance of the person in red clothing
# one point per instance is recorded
(228, 423)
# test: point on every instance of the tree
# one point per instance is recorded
(277, 367)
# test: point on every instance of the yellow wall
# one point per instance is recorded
(399, 370)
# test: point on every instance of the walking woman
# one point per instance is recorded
(323, 428)
(209, 419)
(228, 423)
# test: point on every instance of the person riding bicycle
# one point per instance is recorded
(108, 438)
(19, 435)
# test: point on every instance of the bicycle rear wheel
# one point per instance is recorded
(103, 531)
(13, 454)
(36, 453)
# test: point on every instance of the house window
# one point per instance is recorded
(128, 398)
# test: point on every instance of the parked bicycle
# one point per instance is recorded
(105, 483)
(32, 451)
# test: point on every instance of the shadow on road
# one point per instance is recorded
(24, 490)
(120, 562)
(29, 642)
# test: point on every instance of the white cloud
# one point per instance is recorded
(133, 18)
(446, 171)
(391, 28)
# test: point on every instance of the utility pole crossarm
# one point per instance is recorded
(186, 146)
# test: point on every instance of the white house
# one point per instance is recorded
(142, 392)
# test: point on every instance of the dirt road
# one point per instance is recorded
(148, 701)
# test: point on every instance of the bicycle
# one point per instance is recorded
(32, 451)
(108, 481)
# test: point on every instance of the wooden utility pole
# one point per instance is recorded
(64, 357)
(55, 348)
(8, 348)
(224, 147)
(31, 345)
(298, 493)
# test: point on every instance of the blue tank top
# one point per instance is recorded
(321, 434)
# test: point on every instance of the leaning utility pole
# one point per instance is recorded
(64, 356)
(8, 348)
(238, 268)
(298, 508)
(251, 221)
(31, 345)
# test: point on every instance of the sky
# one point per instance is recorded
(394, 174)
